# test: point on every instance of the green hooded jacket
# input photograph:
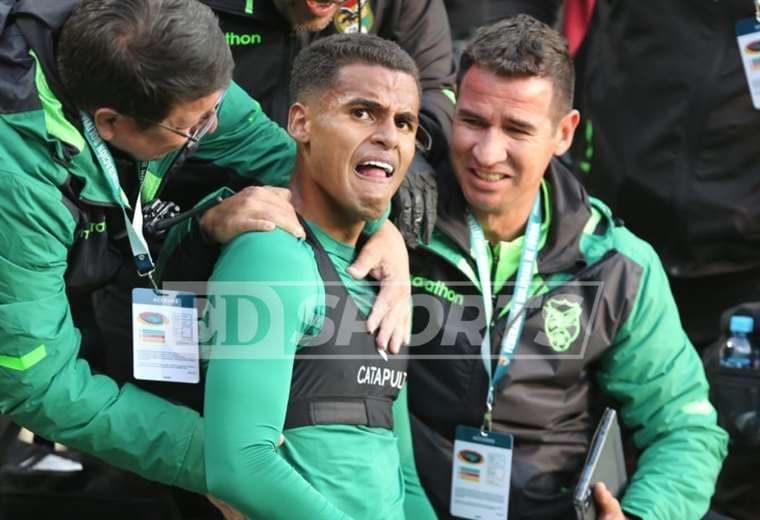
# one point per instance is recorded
(59, 218)
(601, 328)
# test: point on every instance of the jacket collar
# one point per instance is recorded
(52, 13)
(39, 22)
(570, 210)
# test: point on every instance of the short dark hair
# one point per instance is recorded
(142, 57)
(316, 66)
(521, 46)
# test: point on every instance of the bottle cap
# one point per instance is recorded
(742, 324)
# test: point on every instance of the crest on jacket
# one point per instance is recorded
(562, 323)
(348, 18)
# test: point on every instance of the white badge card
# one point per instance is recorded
(748, 37)
(481, 474)
(165, 336)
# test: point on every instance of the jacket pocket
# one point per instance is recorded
(736, 396)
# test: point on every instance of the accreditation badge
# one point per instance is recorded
(165, 336)
(748, 37)
(482, 467)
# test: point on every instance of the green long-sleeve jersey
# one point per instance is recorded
(267, 294)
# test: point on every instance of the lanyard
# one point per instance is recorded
(140, 252)
(359, 6)
(516, 319)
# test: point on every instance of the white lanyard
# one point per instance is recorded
(516, 319)
(140, 252)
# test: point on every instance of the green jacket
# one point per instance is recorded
(601, 328)
(58, 242)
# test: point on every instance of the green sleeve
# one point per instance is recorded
(245, 141)
(248, 142)
(655, 373)
(44, 386)
(249, 374)
(416, 503)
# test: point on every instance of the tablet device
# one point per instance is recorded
(604, 463)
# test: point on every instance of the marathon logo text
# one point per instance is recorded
(437, 288)
(239, 40)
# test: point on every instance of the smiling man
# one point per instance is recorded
(311, 371)
(575, 309)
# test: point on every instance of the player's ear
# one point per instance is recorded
(299, 126)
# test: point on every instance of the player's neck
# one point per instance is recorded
(313, 204)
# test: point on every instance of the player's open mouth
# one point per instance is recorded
(375, 169)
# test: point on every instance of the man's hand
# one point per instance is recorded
(384, 257)
(256, 208)
(416, 202)
(227, 511)
(607, 506)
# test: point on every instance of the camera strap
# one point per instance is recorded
(140, 253)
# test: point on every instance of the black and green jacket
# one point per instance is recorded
(601, 326)
(62, 236)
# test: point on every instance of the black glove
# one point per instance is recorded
(415, 203)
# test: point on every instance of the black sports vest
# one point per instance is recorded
(338, 375)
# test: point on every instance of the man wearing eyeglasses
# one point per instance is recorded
(193, 135)
(99, 99)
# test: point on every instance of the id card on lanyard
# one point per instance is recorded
(481, 473)
(165, 323)
(481, 491)
(165, 336)
(748, 39)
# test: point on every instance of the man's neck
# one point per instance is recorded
(505, 226)
(310, 203)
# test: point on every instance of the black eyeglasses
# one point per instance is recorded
(201, 129)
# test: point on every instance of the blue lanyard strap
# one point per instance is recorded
(134, 229)
(516, 319)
